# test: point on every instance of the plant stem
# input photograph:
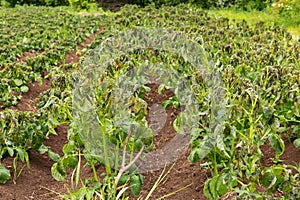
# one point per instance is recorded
(123, 167)
(107, 164)
(215, 162)
(94, 171)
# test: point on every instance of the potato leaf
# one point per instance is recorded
(24, 88)
(4, 174)
(58, 171)
(278, 144)
(136, 184)
(297, 143)
(54, 156)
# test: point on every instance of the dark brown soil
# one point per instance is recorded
(183, 173)
(289, 157)
(27, 101)
(27, 54)
(112, 5)
(36, 182)
(72, 57)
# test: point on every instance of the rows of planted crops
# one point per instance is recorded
(259, 67)
(47, 33)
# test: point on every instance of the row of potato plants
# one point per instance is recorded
(47, 35)
(260, 69)
(32, 41)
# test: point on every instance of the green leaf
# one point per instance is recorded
(4, 174)
(58, 171)
(69, 148)
(70, 161)
(210, 188)
(24, 88)
(146, 88)
(165, 104)
(27, 159)
(161, 88)
(297, 143)
(10, 151)
(206, 190)
(53, 156)
(175, 104)
(136, 184)
(18, 82)
(278, 144)
(266, 178)
(21, 154)
(124, 179)
(43, 149)
(177, 124)
(213, 187)
(194, 157)
(222, 187)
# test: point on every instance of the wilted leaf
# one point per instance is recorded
(58, 171)
(278, 144)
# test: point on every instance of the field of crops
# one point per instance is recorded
(245, 99)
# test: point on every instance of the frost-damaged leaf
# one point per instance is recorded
(4, 174)
(200, 150)
(297, 143)
(278, 144)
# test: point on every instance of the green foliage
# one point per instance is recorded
(171, 101)
(297, 143)
(240, 4)
(136, 184)
(4, 174)
(83, 4)
(257, 83)
(158, 2)
(218, 186)
(288, 10)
